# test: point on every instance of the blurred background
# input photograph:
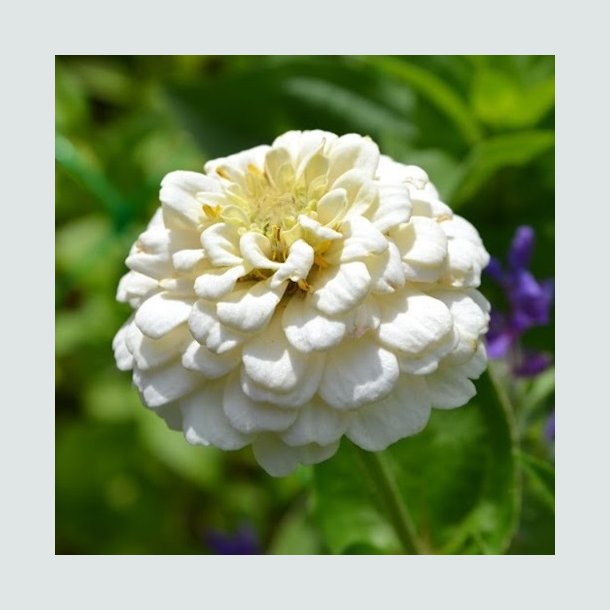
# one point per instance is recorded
(483, 129)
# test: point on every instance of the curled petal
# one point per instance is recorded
(250, 309)
(308, 329)
(358, 372)
(204, 421)
(160, 314)
(404, 412)
(249, 416)
(336, 290)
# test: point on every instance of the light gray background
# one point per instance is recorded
(32, 576)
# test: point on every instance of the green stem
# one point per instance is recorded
(393, 502)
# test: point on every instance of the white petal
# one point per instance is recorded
(352, 152)
(150, 353)
(297, 264)
(122, 355)
(301, 394)
(332, 206)
(469, 310)
(163, 385)
(134, 287)
(178, 190)
(215, 283)
(199, 358)
(160, 314)
(280, 169)
(154, 264)
(316, 230)
(238, 162)
(185, 260)
(302, 144)
(360, 190)
(307, 328)
(252, 156)
(360, 239)
(466, 255)
(201, 319)
(171, 415)
(422, 363)
(339, 289)
(449, 387)
(358, 372)
(249, 416)
(386, 270)
(316, 423)
(221, 245)
(417, 273)
(276, 458)
(402, 413)
(393, 208)
(422, 241)
(412, 321)
(465, 262)
(249, 309)
(363, 318)
(222, 339)
(256, 250)
(474, 367)
(389, 170)
(205, 421)
(271, 361)
(314, 453)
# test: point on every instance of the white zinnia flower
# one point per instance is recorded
(299, 292)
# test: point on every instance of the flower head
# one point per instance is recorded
(529, 305)
(299, 292)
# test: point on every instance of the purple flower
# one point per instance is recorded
(243, 542)
(529, 304)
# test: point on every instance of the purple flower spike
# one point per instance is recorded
(243, 542)
(531, 364)
(529, 305)
(521, 249)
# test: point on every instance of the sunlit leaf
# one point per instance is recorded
(502, 101)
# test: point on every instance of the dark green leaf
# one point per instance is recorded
(434, 90)
(457, 477)
(497, 153)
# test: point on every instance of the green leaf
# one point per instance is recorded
(458, 479)
(501, 101)
(197, 464)
(252, 105)
(367, 116)
(295, 535)
(92, 179)
(496, 153)
(538, 390)
(435, 90)
(541, 478)
(345, 505)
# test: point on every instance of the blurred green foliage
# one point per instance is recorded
(478, 479)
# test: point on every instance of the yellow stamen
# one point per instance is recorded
(303, 285)
(319, 260)
(211, 211)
